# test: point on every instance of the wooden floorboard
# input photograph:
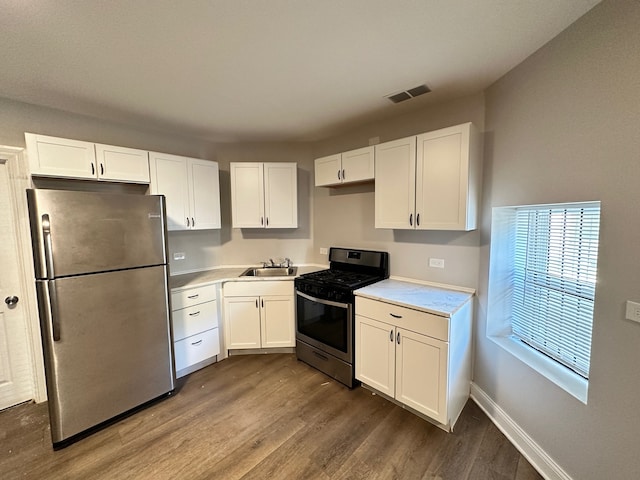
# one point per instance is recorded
(263, 417)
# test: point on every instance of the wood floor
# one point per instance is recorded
(263, 417)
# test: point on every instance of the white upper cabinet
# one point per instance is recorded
(447, 178)
(347, 167)
(430, 181)
(65, 158)
(395, 183)
(121, 163)
(192, 190)
(264, 195)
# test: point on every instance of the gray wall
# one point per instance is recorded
(565, 126)
(344, 216)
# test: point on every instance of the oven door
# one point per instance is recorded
(325, 325)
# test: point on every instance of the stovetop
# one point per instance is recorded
(342, 278)
(349, 270)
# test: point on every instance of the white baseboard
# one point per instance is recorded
(541, 461)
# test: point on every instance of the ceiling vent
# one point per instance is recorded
(407, 94)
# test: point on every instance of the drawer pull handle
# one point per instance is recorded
(200, 341)
(194, 314)
(193, 296)
(395, 316)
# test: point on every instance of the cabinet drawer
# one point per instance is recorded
(197, 348)
(258, 288)
(191, 320)
(192, 296)
(420, 322)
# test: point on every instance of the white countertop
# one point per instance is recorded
(229, 274)
(426, 298)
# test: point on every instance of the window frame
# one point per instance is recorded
(501, 294)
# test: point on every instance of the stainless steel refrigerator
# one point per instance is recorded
(101, 279)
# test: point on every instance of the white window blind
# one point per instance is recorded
(556, 253)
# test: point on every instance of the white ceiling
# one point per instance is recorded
(263, 70)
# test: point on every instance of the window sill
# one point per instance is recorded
(563, 377)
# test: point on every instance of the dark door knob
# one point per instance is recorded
(11, 301)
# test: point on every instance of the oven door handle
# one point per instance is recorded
(324, 302)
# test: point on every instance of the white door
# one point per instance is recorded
(328, 170)
(242, 322)
(395, 195)
(442, 178)
(421, 373)
(205, 194)
(281, 195)
(375, 354)
(16, 369)
(169, 178)
(247, 195)
(277, 322)
(358, 165)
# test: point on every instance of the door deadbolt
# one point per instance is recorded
(11, 301)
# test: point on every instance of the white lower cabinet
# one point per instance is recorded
(259, 315)
(405, 354)
(196, 332)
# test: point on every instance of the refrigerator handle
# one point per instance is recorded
(48, 303)
(48, 247)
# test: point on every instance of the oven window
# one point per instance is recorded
(324, 323)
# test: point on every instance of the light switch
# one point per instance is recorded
(323, 251)
(633, 311)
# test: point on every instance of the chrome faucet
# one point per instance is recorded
(271, 262)
(287, 262)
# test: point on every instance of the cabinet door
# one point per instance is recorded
(122, 164)
(242, 326)
(247, 195)
(281, 195)
(328, 170)
(169, 178)
(443, 179)
(358, 165)
(60, 157)
(395, 173)
(277, 322)
(375, 354)
(421, 374)
(205, 194)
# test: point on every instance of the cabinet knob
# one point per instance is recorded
(391, 336)
(418, 219)
(411, 219)
(343, 175)
(398, 338)
(339, 175)
(93, 169)
(188, 224)
(193, 222)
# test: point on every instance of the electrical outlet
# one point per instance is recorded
(633, 311)
(323, 251)
(436, 262)
(179, 255)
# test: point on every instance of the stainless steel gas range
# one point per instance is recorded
(325, 310)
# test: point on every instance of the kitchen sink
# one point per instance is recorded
(270, 272)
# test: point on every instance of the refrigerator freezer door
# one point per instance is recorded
(84, 232)
(112, 349)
